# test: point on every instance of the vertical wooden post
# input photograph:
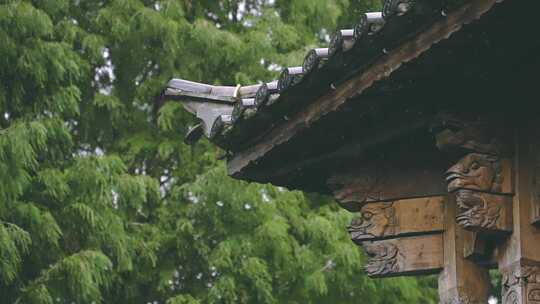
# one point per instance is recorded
(519, 260)
(462, 281)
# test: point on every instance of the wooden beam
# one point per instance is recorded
(462, 281)
(406, 256)
(519, 258)
(390, 179)
(480, 250)
(387, 220)
(535, 213)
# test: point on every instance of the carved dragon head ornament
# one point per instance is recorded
(374, 220)
(475, 210)
(383, 258)
(480, 172)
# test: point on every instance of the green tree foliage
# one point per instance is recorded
(101, 202)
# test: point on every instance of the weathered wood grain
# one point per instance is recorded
(519, 258)
(406, 256)
(487, 213)
(388, 179)
(462, 280)
(535, 196)
(378, 221)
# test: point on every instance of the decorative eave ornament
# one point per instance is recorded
(213, 105)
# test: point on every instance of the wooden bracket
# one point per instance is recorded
(405, 256)
(481, 179)
(378, 221)
(486, 213)
(462, 281)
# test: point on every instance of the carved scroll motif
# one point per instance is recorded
(383, 259)
(375, 221)
(521, 285)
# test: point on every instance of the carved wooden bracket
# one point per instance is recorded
(383, 258)
(521, 283)
(377, 221)
(481, 179)
(484, 212)
(482, 192)
(405, 256)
